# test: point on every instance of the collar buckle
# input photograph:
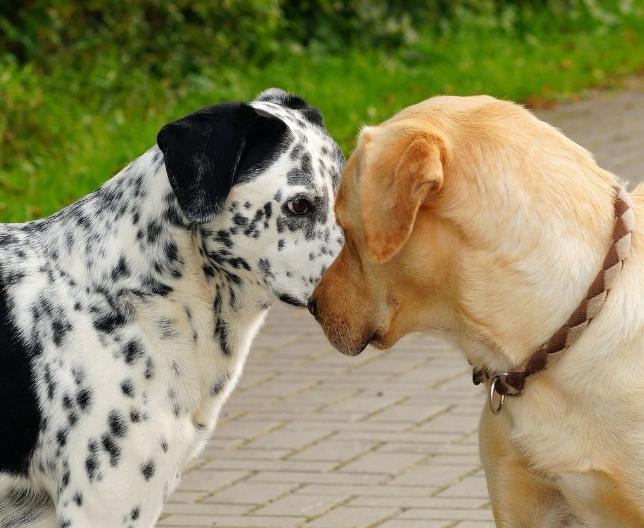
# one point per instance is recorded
(499, 386)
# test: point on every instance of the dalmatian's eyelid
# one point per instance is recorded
(299, 206)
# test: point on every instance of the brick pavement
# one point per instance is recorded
(609, 124)
(387, 439)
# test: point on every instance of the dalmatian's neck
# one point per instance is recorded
(130, 237)
(129, 244)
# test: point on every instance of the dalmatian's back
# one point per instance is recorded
(127, 317)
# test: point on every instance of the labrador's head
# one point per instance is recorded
(465, 215)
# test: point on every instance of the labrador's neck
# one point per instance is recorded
(534, 275)
(590, 378)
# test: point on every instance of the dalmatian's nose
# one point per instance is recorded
(313, 308)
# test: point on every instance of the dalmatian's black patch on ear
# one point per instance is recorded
(279, 96)
(209, 151)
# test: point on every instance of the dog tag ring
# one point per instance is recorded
(497, 406)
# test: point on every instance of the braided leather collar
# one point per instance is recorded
(512, 383)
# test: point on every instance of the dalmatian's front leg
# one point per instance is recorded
(122, 476)
(132, 498)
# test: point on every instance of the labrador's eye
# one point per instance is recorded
(299, 206)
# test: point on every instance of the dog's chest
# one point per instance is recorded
(198, 374)
(600, 499)
(591, 458)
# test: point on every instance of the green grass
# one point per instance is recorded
(85, 135)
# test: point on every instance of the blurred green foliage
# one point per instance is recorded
(85, 85)
(183, 36)
(169, 37)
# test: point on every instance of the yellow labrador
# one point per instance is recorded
(471, 217)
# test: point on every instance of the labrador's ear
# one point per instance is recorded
(397, 179)
(206, 152)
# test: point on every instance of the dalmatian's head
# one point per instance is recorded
(259, 180)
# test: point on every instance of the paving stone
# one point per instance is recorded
(346, 517)
(437, 503)
(329, 450)
(269, 465)
(402, 523)
(318, 478)
(290, 439)
(206, 510)
(408, 413)
(186, 521)
(256, 521)
(446, 514)
(302, 505)
(253, 493)
(429, 474)
(210, 480)
(475, 524)
(357, 490)
(389, 463)
(468, 487)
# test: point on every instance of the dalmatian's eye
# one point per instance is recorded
(298, 206)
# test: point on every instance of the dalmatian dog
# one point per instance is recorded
(126, 318)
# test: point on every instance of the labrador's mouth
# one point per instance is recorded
(343, 344)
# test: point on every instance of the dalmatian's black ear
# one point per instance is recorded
(206, 152)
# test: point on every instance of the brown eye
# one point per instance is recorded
(299, 206)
